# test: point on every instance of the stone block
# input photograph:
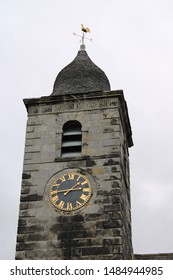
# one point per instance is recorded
(36, 255)
(32, 149)
(37, 237)
(22, 222)
(25, 190)
(110, 208)
(29, 142)
(113, 224)
(30, 128)
(30, 229)
(89, 251)
(28, 213)
(20, 255)
(27, 156)
(98, 241)
(24, 246)
(116, 199)
(111, 142)
(76, 252)
(23, 205)
(81, 242)
(31, 197)
(48, 147)
(22, 238)
(107, 242)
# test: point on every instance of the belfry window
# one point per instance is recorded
(71, 139)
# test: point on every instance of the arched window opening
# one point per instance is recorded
(71, 139)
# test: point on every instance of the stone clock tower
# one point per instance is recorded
(75, 196)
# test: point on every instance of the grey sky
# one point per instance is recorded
(133, 44)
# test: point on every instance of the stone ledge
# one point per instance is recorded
(166, 256)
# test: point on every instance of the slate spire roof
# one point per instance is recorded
(80, 76)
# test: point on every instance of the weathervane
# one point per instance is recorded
(84, 31)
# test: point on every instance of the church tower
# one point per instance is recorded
(75, 195)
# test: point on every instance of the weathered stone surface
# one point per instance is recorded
(101, 229)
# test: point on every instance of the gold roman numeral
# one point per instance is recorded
(53, 192)
(84, 197)
(69, 206)
(85, 182)
(78, 204)
(78, 178)
(61, 204)
(71, 176)
(55, 185)
(54, 198)
(62, 178)
(86, 189)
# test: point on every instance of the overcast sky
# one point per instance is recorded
(133, 44)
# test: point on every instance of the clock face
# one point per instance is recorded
(70, 191)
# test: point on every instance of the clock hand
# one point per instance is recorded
(69, 190)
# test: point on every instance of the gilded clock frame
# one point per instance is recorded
(84, 197)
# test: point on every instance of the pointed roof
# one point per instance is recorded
(80, 76)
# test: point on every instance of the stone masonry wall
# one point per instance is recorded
(102, 229)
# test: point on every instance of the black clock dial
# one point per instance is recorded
(70, 191)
